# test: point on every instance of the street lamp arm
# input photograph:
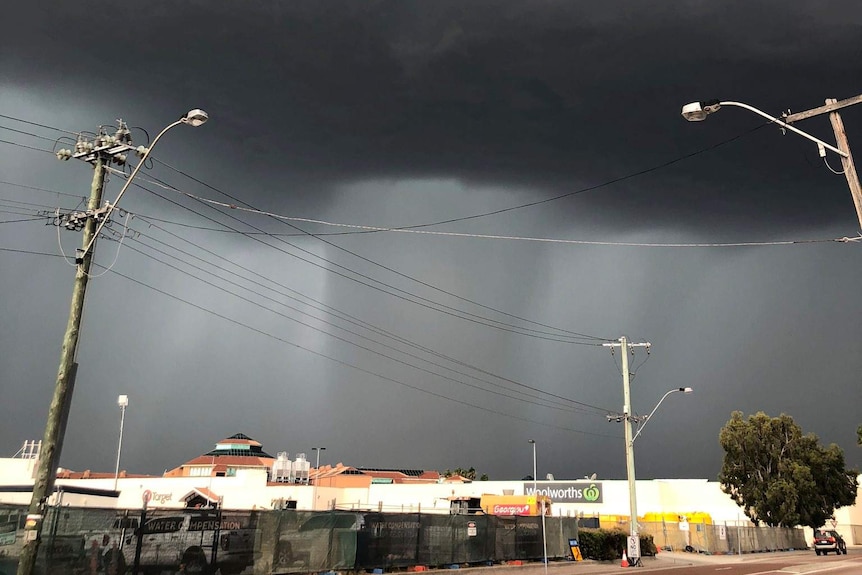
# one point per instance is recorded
(193, 118)
(785, 125)
(129, 181)
(646, 420)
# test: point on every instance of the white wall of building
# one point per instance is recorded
(249, 490)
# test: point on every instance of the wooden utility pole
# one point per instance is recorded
(52, 442)
(100, 152)
(832, 106)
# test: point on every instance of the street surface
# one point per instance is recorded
(778, 563)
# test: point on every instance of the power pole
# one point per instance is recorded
(832, 106)
(628, 421)
(103, 149)
(99, 152)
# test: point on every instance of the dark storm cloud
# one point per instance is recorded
(555, 93)
(394, 113)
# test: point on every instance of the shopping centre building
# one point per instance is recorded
(239, 474)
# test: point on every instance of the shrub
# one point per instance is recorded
(608, 544)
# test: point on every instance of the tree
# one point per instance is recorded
(780, 476)
(465, 473)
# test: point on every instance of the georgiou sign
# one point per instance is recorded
(567, 492)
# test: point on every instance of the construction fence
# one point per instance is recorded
(723, 539)
(78, 541)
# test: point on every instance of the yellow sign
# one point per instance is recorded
(576, 550)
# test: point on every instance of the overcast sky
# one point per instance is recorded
(433, 351)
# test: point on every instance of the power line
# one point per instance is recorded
(32, 219)
(31, 134)
(375, 229)
(359, 323)
(26, 187)
(594, 187)
(37, 124)
(391, 270)
(347, 364)
(350, 365)
(423, 302)
(490, 236)
(353, 320)
(30, 252)
(345, 340)
(26, 146)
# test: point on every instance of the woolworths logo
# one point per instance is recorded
(564, 492)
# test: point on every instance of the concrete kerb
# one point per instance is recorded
(585, 567)
(663, 560)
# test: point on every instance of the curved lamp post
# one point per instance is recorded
(646, 419)
(193, 118)
(698, 111)
(630, 462)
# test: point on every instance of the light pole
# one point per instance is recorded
(100, 152)
(630, 457)
(123, 402)
(536, 495)
(533, 443)
(698, 111)
(316, 476)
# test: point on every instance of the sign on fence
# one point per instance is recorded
(722, 532)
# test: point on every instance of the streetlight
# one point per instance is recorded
(194, 118)
(646, 419)
(317, 476)
(536, 495)
(698, 111)
(630, 465)
(100, 152)
(123, 402)
(533, 443)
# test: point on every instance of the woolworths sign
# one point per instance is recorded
(563, 492)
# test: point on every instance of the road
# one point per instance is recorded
(773, 564)
(778, 563)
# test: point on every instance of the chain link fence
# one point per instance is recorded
(715, 539)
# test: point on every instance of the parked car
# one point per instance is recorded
(826, 540)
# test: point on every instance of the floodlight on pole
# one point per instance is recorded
(533, 443)
(123, 402)
(316, 475)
